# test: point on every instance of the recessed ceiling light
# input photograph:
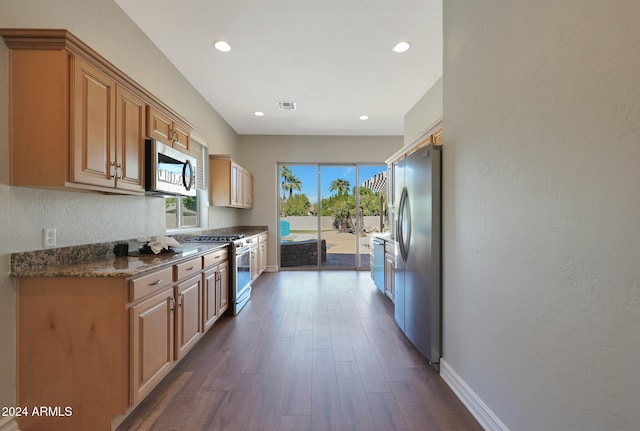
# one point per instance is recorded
(222, 46)
(259, 114)
(364, 117)
(401, 47)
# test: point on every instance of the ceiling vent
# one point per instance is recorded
(287, 106)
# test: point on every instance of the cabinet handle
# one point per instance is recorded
(119, 168)
(155, 283)
(189, 269)
(181, 299)
(173, 304)
(112, 170)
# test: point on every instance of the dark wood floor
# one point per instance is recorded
(311, 351)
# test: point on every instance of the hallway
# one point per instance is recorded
(310, 351)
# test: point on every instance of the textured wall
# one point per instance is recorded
(541, 210)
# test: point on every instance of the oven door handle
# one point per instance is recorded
(243, 250)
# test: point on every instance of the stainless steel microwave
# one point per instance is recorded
(168, 171)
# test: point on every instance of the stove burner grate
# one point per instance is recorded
(215, 238)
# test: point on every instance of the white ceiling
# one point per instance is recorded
(332, 57)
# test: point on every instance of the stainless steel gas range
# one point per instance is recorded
(240, 264)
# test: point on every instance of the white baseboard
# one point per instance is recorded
(8, 423)
(483, 414)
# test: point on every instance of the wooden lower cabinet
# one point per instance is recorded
(222, 289)
(262, 252)
(98, 346)
(73, 351)
(188, 314)
(216, 289)
(152, 340)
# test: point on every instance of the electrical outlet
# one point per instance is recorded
(49, 237)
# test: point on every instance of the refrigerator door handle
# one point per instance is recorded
(404, 224)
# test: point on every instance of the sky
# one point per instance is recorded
(308, 175)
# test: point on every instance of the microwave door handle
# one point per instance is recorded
(187, 184)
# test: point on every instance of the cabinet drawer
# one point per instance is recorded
(263, 237)
(147, 284)
(185, 269)
(214, 258)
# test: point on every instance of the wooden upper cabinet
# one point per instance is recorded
(247, 189)
(162, 127)
(158, 125)
(237, 187)
(130, 136)
(109, 126)
(437, 136)
(180, 137)
(76, 121)
(93, 147)
(231, 185)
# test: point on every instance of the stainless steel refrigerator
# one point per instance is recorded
(418, 286)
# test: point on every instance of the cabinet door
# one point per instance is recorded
(247, 189)
(254, 262)
(210, 300)
(222, 291)
(152, 324)
(188, 317)
(158, 125)
(180, 137)
(389, 275)
(93, 141)
(263, 256)
(130, 135)
(220, 187)
(236, 185)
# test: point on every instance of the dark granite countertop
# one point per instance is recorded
(98, 260)
(112, 266)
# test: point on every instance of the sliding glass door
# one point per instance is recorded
(328, 213)
(339, 224)
(298, 216)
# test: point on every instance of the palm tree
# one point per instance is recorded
(285, 174)
(341, 186)
(289, 181)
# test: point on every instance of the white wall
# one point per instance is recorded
(261, 154)
(424, 114)
(85, 218)
(542, 211)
